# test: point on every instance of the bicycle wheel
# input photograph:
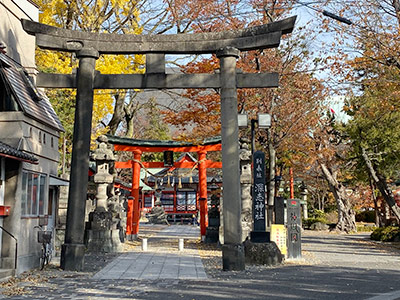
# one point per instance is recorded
(49, 253)
(42, 258)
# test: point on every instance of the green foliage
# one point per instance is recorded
(316, 215)
(375, 116)
(155, 127)
(386, 234)
(377, 131)
(308, 222)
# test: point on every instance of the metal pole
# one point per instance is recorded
(232, 250)
(64, 153)
(291, 183)
(72, 251)
(253, 137)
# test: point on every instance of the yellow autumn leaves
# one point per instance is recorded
(112, 16)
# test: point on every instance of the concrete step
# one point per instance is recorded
(6, 273)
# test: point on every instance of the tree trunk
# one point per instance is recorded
(118, 114)
(129, 126)
(324, 198)
(380, 182)
(346, 216)
(319, 202)
(378, 220)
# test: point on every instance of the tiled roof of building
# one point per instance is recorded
(33, 103)
(8, 151)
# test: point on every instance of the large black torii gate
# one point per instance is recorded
(88, 46)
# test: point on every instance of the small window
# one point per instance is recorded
(167, 201)
(148, 200)
(44, 138)
(186, 200)
(34, 194)
(52, 142)
(30, 132)
(40, 136)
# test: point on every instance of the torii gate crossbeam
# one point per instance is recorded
(88, 47)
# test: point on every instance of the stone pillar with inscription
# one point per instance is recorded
(259, 234)
(102, 234)
(259, 249)
(294, 228)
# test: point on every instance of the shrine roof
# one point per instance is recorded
(116, 140)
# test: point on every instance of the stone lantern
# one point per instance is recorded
(101, 232)
(103, 157)
(212, 231)
(303, 201)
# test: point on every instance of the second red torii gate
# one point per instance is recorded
(137, 147)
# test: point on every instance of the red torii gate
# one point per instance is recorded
(137, 147)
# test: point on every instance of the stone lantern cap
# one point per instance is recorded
(103, 152)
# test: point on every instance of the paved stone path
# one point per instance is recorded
(159, 261)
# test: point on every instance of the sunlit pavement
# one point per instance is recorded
(159, 261)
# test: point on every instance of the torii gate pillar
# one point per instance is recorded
(73, 249)
(135, 209)
(203, 193)
(233, 250)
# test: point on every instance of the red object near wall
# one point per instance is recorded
(5, 210)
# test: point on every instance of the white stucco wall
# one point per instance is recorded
(22, 132)
(19, 45)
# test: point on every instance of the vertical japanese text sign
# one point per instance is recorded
(294, 228)
(168, 158)
(259, 191)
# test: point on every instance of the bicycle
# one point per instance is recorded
(44, 237)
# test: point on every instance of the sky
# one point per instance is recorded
(306, 15)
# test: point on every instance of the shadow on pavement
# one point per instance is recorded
(287, 282)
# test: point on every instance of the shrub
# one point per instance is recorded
(317, 213)
(315, 216)
(386, 234)
(308, 222)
